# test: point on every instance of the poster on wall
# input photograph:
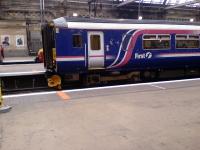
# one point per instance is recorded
(19, 40)
(5, 40)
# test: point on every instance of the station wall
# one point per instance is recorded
(26, 14)
(13, 37)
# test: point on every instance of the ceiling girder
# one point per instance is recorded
(183, 4)
(164, 2)
(125, 3)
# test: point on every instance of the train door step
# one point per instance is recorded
(96, 68)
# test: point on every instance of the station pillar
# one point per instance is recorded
(3, 108)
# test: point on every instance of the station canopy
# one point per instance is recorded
(172, 3)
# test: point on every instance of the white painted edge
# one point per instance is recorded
(159, 87)
(19, 64)
(61, 22)
(117, 26)
(12, 61)
(20, 73)
(71, 59)
(100, 88)
(178, 55)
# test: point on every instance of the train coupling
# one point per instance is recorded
(54, 82)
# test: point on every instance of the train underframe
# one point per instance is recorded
(101, 78)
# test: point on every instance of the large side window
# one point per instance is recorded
(156, 42)
(187, 41)
(95, 42)
(77, 41)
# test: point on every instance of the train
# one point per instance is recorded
(101, 50)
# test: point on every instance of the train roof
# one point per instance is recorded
(93, 23)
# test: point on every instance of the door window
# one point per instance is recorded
(95, 42)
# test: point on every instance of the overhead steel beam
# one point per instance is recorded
(86, 2)
(125, 3)
(164, 3)
(183, 4)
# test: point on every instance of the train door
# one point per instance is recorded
(95, 50)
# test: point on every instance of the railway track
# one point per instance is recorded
(27, 82)
(23, 82)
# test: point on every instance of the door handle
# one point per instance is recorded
(107, 48)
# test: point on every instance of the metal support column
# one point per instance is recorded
(42, 11)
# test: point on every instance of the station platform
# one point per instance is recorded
(20, 68)
(147, 116)
(18, 59)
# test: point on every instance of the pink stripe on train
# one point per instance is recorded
(135, 36)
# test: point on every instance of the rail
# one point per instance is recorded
(23, 81)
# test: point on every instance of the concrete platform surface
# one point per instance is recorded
(17, 59)
(153, 116)
(21, 68)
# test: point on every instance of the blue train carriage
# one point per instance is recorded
(96, 50)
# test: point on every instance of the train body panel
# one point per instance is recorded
(77, 58)
(82, 46)
(68, 59)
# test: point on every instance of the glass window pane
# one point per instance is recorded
(181, 37)
(164, 37)
(184, 44)
(156, 44)
(77, 41)
(95, 42)
(193, 37)
(149, 37)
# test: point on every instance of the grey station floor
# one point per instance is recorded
(152, 116)
(20, 68)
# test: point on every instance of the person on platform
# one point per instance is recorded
(39, 58)
(1, 54)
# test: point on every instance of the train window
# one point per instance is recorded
(181, 37)
(156, 42)
(147, 37)
(164, 37)
(95, 42)
(189, 41)
(77, 41)
(195, 37)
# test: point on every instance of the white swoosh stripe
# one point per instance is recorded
(70, 59)
(127, 48)
(178, 55)
(120, 49)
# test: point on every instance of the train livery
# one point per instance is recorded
(96, 50)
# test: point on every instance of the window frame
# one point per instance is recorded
(73, 40)
(156, 39)
(187, 39)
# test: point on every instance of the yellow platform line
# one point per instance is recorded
(63, 95)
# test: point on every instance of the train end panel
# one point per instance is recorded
(49, 50)
(49, 53)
